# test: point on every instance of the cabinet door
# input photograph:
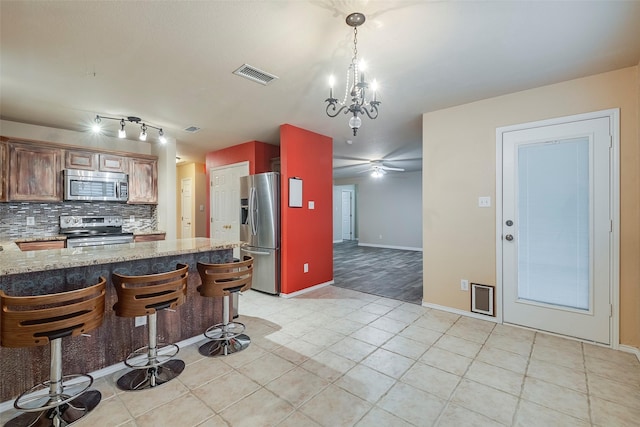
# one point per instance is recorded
(34, 173)
(111, 163)
(81, 160)
(3, 172)
(143, 181)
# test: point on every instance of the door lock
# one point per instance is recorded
(509, 223)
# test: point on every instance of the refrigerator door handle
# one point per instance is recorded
(255, 252)
(252, 211)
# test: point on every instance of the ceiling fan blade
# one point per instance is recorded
(391, 169)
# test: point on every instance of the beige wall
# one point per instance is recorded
(459, 151)
(195, 171)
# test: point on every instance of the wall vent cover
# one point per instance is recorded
(192, 129)
(254, 74)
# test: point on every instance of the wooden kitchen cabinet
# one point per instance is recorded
(3, 171)
(40, 245)
(86, 160)
(34, 173)
(149, 237)
(143, 181)
(111, 163)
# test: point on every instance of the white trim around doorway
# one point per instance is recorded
(614, 121)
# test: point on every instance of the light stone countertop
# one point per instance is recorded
(14, 261)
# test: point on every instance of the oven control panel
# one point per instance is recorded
(72, 221)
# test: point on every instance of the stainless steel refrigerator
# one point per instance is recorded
(260, 228)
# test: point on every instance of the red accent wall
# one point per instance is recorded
(307, 234)
(258, 154)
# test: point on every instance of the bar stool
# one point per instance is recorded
(221, 280)
(153, 364)
(31, 321)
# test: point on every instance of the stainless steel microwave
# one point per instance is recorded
(92, 185)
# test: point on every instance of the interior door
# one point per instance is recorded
(556, 228)
(186, 206)
(225, 202)
(347, 233)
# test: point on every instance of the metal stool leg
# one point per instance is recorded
(226, 340)
(68, 398)
(157, 369)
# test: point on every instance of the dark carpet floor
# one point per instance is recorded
(390, 273)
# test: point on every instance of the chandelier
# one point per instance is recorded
(122, 133)
(355, 86)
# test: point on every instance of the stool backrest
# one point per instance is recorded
(31, 321)
(219, 280)
(142, 295)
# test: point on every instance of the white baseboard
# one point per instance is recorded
(338, 241)
(460, 312)
(629, 349)
(404, 248)
(305, 290)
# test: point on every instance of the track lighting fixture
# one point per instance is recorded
(122, 133)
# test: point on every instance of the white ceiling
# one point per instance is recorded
(171, 63)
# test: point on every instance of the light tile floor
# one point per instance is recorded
(338, 357)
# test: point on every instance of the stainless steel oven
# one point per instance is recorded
(83, 231)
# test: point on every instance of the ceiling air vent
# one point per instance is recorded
(192, 129)
(253, 74)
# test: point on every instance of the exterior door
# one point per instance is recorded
(347, 233)
(225, 202)
(556, 228)
(186, 206)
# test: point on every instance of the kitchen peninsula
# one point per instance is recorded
(59, 270)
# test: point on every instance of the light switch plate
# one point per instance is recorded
(312, 204)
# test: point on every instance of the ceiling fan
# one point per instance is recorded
(378, 169)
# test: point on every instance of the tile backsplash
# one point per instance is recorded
(13, 217)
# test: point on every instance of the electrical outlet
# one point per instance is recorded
(306, 267)
(464, 285)
(31, 220)
(132, 218)
(141, 321)
(380, 237)
(484, 202)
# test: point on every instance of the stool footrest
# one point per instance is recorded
(222, 332)
(39, 398)
(141, 358)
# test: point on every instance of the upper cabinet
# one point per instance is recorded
(3, 171)
(32, 170)
(111, 163)
(80, 160)
(143, 181)
(34, 173)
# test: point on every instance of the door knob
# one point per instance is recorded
(509, 237)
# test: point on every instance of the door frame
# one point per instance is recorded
(614, 125)
(352, 221)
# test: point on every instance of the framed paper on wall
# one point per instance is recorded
(295, 192)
